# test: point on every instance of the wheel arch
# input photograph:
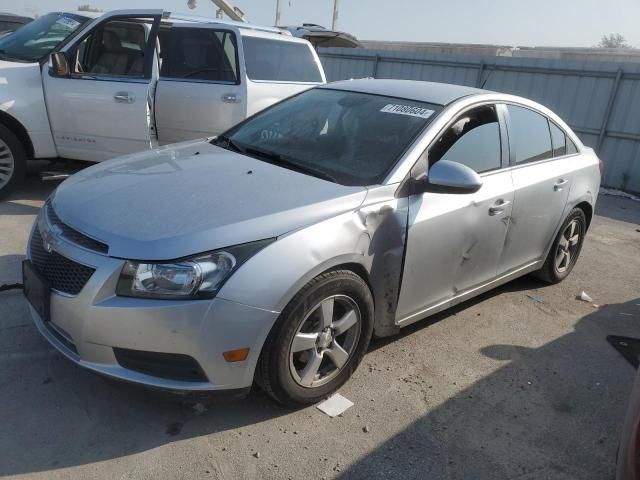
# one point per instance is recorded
(587, 208)
(19, 131)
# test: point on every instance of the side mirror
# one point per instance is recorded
(59, 65)
(452, 177)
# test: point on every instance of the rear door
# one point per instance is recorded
(542, 178)
(103, 108)
(200, 92)
(277, 66)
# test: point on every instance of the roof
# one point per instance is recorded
(430, 92)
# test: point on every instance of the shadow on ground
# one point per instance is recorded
(495, 437)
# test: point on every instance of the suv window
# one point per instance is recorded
(473, 140)
(529, 135)
(559, 140)
(200, 54)
(114, 48)
(280, 61)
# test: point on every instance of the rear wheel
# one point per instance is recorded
(12, 161)
(565, 249)
(318, 341)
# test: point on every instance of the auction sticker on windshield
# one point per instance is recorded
(407, 110)
(68, 22)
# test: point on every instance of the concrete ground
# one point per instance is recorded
(504, 386)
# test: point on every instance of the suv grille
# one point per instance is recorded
(63, 275)
(73, 235)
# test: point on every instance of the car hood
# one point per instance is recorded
(193, 197)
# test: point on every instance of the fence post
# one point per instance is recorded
(375, 66)
(480, 72)
(607, 112)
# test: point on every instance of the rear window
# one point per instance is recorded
(280, 61)
(199, 54)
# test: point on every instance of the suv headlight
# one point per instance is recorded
(200, 276)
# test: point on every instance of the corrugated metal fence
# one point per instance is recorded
(601, 101)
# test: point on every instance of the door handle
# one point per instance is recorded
(124, 97)
(499, 207)
(559, 184)
(230, 98)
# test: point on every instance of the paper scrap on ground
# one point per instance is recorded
(585, 298)
(335, 405)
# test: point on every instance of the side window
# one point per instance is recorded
(200, 54)
(559, 140)
(473, 140)
(528, 135)
(114, 48)
(280, 61)
(571, 147)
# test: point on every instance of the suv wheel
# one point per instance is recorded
(565, 249)
(12, 161)
(318, 341)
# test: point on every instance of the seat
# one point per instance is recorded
(113, 60)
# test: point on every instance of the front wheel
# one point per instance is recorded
(12, 161)
(318, 341)
(565, 249)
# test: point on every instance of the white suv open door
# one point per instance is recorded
(201, 91)
(103, 108)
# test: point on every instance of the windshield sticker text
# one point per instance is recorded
(407, 110)
(68, 22)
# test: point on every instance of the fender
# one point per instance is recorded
(23, 108)
(369, 240)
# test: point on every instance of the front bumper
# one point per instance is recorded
(88, 326)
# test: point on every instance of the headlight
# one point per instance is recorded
(195, 277)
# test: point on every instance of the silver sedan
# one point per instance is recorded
(273, 253)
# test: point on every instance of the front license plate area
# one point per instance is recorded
(37, 290)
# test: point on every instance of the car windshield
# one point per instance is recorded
(33, 41)
(346, 137)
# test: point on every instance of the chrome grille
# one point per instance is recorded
(63, 275)
(73, 235)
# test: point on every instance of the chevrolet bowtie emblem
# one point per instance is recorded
(47, 241)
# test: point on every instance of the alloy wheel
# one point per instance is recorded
(568, 246)
(7, 164)
(325, 341)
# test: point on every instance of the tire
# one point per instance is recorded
(556, 266)
(13, 161)
(310, 332)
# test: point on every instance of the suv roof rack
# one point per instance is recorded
(185, 17)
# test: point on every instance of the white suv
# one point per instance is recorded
(130, 80)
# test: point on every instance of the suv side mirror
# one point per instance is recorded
(59, 65)
(451, 177)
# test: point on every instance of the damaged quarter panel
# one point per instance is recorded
(369, 240)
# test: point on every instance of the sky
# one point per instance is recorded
(572, 23)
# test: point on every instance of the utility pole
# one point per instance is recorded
(336, 8)
(278, 12)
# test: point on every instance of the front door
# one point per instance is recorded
(455, 241)
(103, 108)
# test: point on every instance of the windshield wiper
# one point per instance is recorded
(226, 142)
(278, 159)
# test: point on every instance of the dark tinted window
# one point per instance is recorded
(280, 61)
(199, 54)
(571, 147)
(559, 140)
(528, 135)
(347, 137)
(473, 140)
